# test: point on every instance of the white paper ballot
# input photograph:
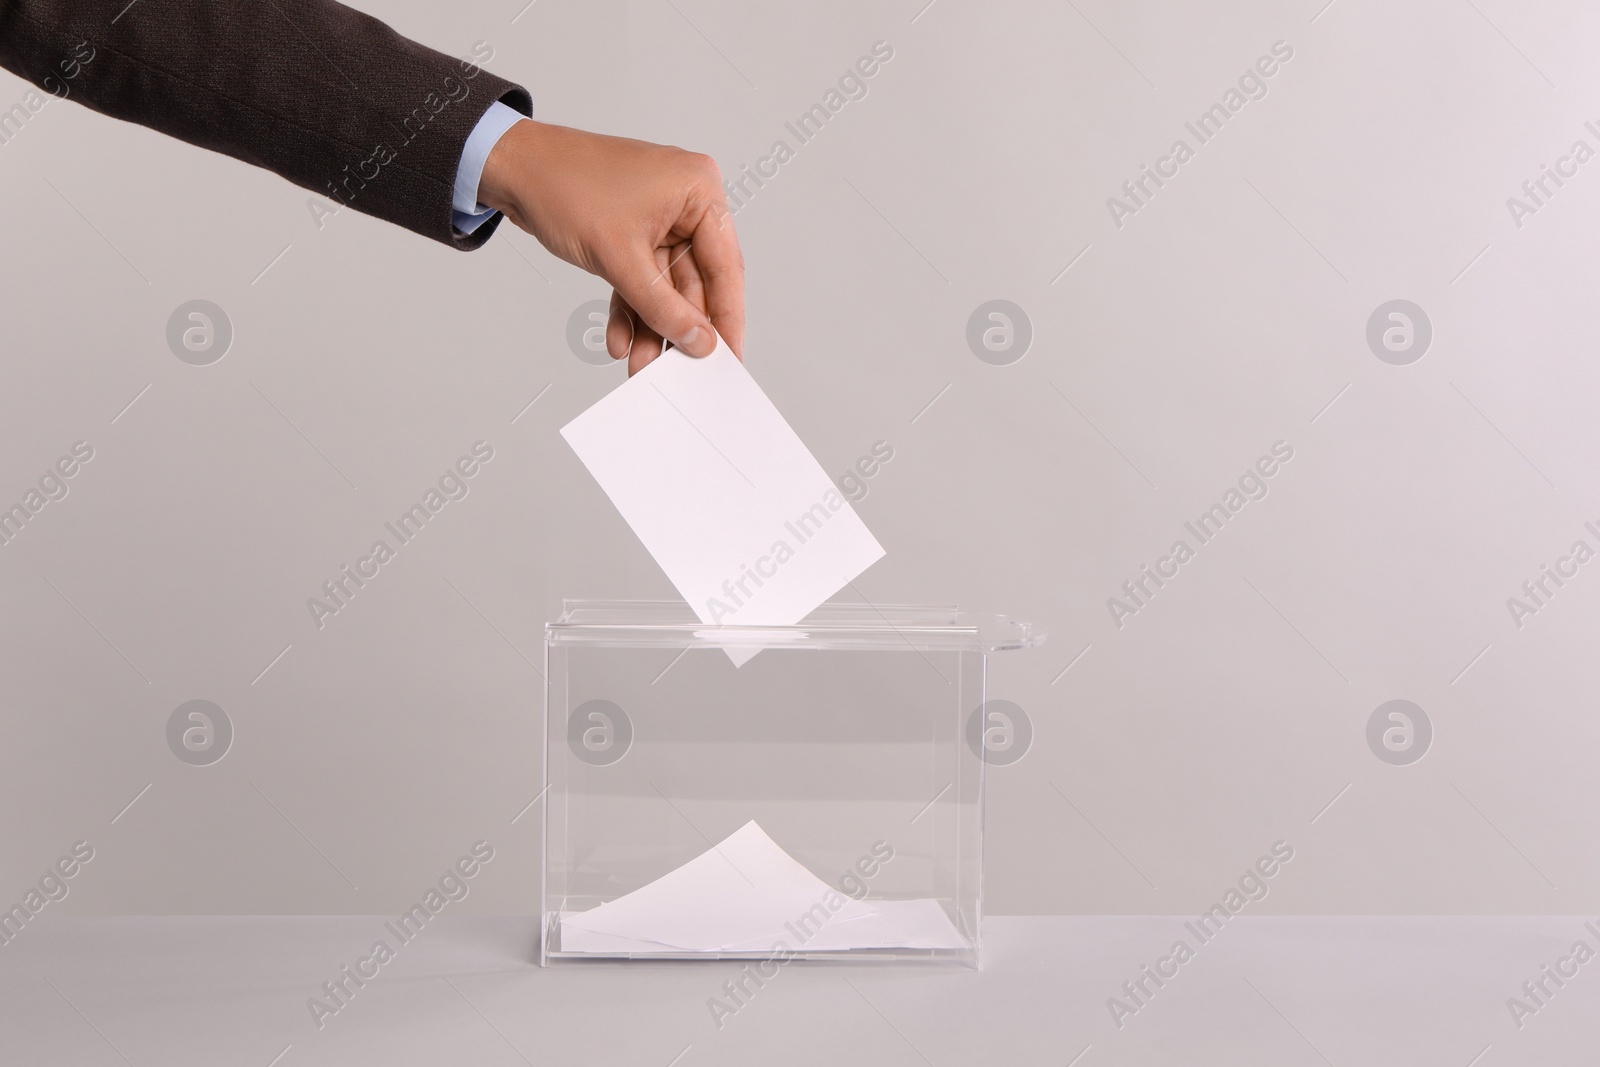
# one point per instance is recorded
(747, 895)
(723, 493)
(918, 923)
(743, 888)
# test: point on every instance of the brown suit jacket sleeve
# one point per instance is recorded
(327, 97)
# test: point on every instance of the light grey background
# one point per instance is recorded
(1228, 314)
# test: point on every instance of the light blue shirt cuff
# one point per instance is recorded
(466, 213)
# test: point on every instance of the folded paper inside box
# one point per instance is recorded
(746, 894)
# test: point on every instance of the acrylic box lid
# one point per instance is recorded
(671, 624)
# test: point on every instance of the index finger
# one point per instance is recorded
(716, 251)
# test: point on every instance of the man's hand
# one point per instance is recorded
(650, 219)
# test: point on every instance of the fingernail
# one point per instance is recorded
(697, 342)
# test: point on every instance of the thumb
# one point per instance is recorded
(648, 289)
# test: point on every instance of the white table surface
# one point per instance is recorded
(232, 992)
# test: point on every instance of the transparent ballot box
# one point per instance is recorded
(806, 791)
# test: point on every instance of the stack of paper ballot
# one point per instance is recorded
(723, 493)
(748, 895)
